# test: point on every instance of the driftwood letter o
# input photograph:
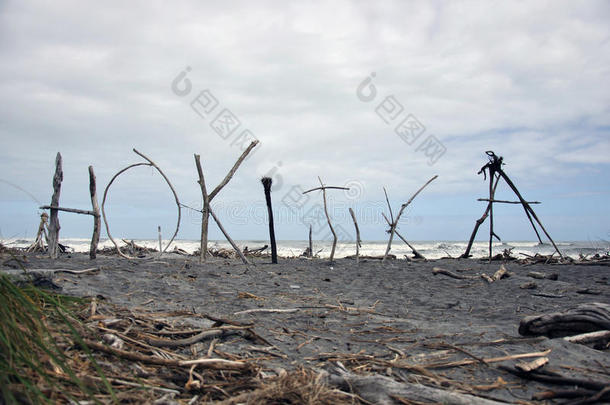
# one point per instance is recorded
(150, 163)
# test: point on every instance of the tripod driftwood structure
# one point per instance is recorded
(330, 225)
(494, 167)
(148, 162)
(207, 199)
(394, 222)
(267, 181)
(54, 208)
(42, 235)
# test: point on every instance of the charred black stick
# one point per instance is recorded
(267, 181)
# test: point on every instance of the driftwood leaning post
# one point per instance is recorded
(267, 181)
(358, 241)
(416, 254)
(207, 199)
(330, 225)
(97, 218)
(54, 226)
(394, 222)
(148, 162)
(310, 243)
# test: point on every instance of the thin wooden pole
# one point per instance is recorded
(310, 243)
(233, 169)
(529, 210)
(479, 222)
(222, 229)
(358, 241)
(203, 250)
(491, 214)
(54, 226)
(330, 225)
(507, 202)
(267, 181)
(160, 241)
(64, 209)
(415, 252)
(97, 220)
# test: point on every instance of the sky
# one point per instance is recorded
(365, 95)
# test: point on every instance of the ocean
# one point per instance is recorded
(430, 249)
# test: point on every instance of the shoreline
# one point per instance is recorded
(294, 248)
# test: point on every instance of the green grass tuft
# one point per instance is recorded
(37, 330)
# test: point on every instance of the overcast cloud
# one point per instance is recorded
(529, 80)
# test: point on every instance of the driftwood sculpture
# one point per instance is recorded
(267, 181)
(207, 199)
(394, 222)
(330, 225)
(53, 238)
(148, 162)
(494, 167)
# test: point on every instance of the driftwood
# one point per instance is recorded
(585, 396)
(394, 222)
(383, 390)
(54, 226)
(554, 378)
(532, 365)
(480, 221)
(330, 225)
(416, 254)
(203, 335)
(54, 245)
(178, 205)
(224, 232)
(42, 277)
(267, 181)
(538, 275)
(494, 166)
(584, 318)
(358, 241)
(600, 337)
(41, 235)
(97, 221)
(217, 364)
(438, 270)
(267, 311)
(310, 243)
(207, 198)
(506, 202)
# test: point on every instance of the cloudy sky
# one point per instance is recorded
(363, 94)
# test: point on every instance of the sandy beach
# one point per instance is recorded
(312, 313)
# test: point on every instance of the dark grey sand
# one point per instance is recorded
(404, 307)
